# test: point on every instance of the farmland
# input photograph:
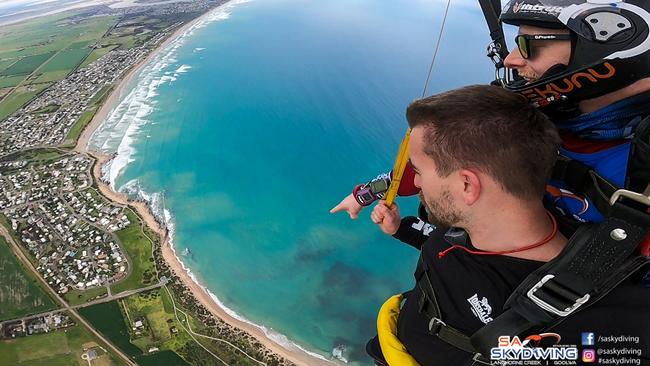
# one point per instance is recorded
(26, 65)
(13, 101)
(20, 294)
(36, 53)
(62, 347)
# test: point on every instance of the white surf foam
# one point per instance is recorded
(121, 130)
(183, 69)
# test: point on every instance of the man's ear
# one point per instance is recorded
(471, 186)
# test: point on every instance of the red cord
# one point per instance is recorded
(538, 244)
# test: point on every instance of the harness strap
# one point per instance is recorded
(491, 10)
(428, 304)
(583, 180)
(597, 258)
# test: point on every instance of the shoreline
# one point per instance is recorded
(200, 292)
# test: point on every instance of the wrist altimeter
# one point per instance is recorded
(366, 194)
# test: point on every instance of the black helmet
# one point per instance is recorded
(610, 46)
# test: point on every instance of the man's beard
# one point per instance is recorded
(442, 211)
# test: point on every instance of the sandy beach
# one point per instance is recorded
(296, 356)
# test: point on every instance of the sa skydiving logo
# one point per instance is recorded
(543, 346)
(541, 9)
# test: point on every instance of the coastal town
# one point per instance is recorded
(85, 247)
(47, 120)
(64, 223)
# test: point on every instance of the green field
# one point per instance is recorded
(138, 249)
(107, 319)
(49, 76)
(78, 127)
(76, 297)
(20, 293)
(99, 97)
(35, 156)
(6, 63)
(47, 109)
(10, 81)
(82, 44)
(52, 33)
(19, 98)
(114, 319)
(62, 347)
(66, 60)
(26, 65)
(97, 53)
(157, 308)
(4, 221)
(87, 116)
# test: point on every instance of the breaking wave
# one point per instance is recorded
(121, 129)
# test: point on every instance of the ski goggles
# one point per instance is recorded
(523, 41)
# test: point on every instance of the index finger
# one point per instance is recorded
(336, 208)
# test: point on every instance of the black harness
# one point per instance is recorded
(597, 258)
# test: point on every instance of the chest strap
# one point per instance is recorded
(597, 258)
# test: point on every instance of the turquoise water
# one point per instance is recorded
(256, 123)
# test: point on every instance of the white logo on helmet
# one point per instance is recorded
(536, 8)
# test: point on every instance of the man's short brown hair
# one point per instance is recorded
(490, 129)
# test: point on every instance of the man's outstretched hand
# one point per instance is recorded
(349, 205)
(386, 217)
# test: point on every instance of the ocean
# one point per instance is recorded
(248, 128)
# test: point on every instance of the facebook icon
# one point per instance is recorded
(588, 339)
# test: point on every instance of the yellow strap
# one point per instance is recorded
(398, 168)
(393, 350)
